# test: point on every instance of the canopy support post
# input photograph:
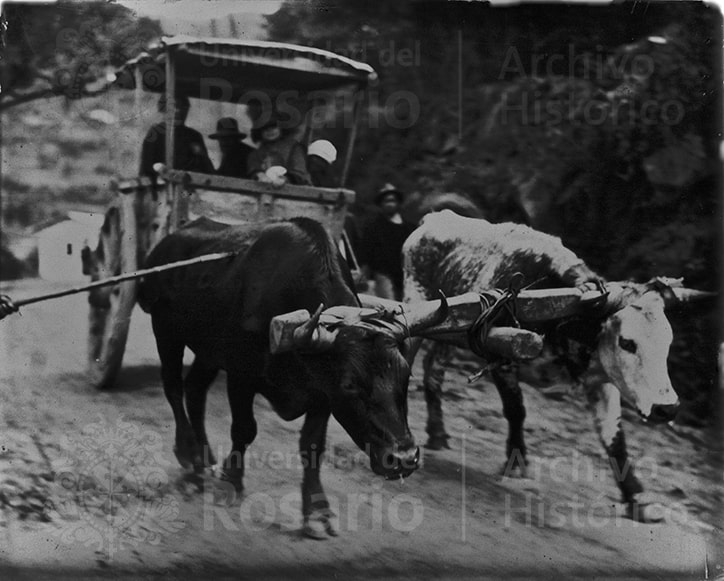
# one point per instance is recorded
(172, 190)
(351, 137)
(170, 106)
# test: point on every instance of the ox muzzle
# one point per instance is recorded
(393, 462)
(663, 413)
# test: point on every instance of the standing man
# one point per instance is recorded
(234, 152)
(189, 148)
(382, 242)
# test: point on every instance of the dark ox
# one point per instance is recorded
(222, 312)
(616, 349)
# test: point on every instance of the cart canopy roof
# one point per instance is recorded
(226, 69)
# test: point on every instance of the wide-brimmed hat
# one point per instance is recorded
(227, 127)
(324, 149)
(386, 190)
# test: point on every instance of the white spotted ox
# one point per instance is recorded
(617, 346)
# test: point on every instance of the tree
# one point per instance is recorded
(592, 123)
(67, 48)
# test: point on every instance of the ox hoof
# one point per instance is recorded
(437, 442)
(190, 484)
(320, 525)
(184, 458)
(646, 512)
(233, 477)
(223, 491)
(192, 456)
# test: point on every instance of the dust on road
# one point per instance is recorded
(89, 486)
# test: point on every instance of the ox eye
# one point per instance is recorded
(627, 344)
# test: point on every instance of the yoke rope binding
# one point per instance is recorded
(491, 309)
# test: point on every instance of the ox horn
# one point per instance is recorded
(304, 334)
(424, 315)
(674, 292)
(621, 294)
(299, 330)
(686, 295)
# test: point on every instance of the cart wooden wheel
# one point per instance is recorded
(111, 307)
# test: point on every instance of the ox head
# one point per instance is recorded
(634, 342)
(365, 373)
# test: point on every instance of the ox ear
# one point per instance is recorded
(665, 287)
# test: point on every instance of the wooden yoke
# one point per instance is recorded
(510, 342)
(463, 310)
(532, 306)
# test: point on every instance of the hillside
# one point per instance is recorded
(59, 155)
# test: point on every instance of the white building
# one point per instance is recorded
(59, 246)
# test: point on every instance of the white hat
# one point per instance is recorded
(323, 149)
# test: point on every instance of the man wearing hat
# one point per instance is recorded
(234, 152)
(189, 149)
(382, 242)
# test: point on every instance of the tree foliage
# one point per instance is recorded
(597, 124)
(65, 48)
(581, 120)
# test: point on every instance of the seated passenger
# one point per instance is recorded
(234, 152)
(321, 154)
(278, 149)
(189, 149)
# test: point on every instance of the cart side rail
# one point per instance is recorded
(237, 200)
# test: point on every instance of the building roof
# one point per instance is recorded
(75, 222)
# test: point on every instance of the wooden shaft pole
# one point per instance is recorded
(125, 276)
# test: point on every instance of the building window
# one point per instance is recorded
(69, 249)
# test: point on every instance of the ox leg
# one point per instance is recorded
(196, 386)
(318, 517)
(505, 377)
(171, 351)
(604, 400)
(243, 429)
(434, 364)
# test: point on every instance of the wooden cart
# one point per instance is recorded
(324, 89)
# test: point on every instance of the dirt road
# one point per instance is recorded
(89, 486)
